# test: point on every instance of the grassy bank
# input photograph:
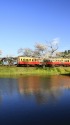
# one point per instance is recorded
(5, 70)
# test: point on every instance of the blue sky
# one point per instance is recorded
(25, 22)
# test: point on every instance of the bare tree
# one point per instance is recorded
(53, 46)
(21, 50)
(36, 53)
(40, 49)
(26, 52)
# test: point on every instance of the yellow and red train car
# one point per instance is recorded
(32, 61)
(28, 61)
(57, 62)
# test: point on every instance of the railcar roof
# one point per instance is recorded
(26, 57)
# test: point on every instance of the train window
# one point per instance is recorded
(26, 59)
(21, 59)
(29, 59)
(66, 60)
(50, 60)
(32, 59)
(35, 59)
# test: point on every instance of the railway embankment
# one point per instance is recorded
(15, 71)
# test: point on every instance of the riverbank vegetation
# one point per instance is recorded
(13, 70)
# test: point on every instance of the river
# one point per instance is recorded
(35, 100)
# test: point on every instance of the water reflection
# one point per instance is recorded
(8, 87)
(35, 100)
(43, 88)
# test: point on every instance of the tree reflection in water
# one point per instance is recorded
(43, 88)
(34, 99)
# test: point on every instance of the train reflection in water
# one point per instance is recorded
(43, 88)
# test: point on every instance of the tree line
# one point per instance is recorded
(41, 50)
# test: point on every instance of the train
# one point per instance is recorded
(50, 62)
(29, 61)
